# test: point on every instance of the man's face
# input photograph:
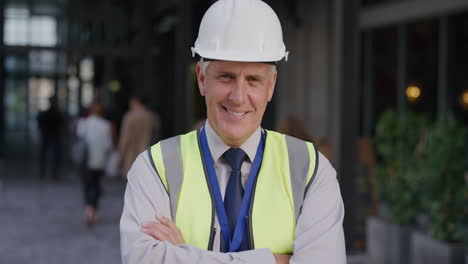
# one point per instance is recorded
(236, 95)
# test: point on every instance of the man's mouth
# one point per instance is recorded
(235, 113)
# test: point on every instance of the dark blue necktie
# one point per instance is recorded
(234, 193)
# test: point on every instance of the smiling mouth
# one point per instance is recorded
(234, 113)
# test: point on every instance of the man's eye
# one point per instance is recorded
(254, 82)
(225, 77)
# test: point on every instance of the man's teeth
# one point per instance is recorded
(236, 114)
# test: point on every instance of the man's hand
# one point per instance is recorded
(165, 230)
(282, 258)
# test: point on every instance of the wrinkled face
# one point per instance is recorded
(236, 95)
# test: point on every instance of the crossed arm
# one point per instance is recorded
(144, 239)
(165, 230)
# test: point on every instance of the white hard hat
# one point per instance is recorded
(240, 30)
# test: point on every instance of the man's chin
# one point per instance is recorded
(236, 136)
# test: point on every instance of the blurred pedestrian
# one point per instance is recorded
(51, 123)
(78, 148)
(294, 127)
(199, 124)
(140, 127)
(97, 135)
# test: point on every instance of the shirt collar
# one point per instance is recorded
(218, 147)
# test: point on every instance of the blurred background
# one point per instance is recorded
(380, 86)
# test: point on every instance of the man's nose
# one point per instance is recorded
(238, 92)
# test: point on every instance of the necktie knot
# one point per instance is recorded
(235, 157)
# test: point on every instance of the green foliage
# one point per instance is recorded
(445, 187)
(399, 178)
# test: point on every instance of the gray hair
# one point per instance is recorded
(204, 65)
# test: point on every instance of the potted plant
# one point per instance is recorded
(444, 192)
(398, 182)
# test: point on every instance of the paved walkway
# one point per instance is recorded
(43, 223)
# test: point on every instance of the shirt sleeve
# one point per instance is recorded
(146, 197)
(319, 231)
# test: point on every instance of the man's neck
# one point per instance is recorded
(218, 145)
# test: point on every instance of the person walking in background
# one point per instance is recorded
(97, 135)
(140, 128)
(294, 127)
(51, 124)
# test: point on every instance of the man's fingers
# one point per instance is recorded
(156, 230)
(163, 230)
(164, 220)
(167, 222)
(151, 232)
(173, 231)
(156, 234)
(175, 234)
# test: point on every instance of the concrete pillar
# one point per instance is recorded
(2, 83)
(344, 104)
(318, 69)
(368, 86)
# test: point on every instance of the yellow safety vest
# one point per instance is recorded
(287, 170)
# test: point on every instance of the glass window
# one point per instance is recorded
(385, 54)
(16, 116)
(87, 94)
(16, 26)
(16, 64)
(43, 31)
(422, 66)
(458, 82)
(73, 96)
(62, 93)
(22, 29)
(87, 69)
(42, 61)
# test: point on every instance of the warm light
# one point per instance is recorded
(413, 92)
(464, 99)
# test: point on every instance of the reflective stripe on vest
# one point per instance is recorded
(287, 170)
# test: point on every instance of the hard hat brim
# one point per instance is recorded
(241, 56)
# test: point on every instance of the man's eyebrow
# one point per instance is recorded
(225, 73)
(255, 77)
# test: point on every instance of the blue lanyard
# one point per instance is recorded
(239, 230)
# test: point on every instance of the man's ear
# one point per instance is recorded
(271, 88)
(200, 79)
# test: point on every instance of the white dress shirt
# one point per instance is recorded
(319, 234)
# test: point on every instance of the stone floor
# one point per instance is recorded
(44, 223)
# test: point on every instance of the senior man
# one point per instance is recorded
(233, 192)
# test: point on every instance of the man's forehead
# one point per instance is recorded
(254, 67)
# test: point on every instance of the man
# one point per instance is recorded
(140, 127)
(51, 124)
(233, 192)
